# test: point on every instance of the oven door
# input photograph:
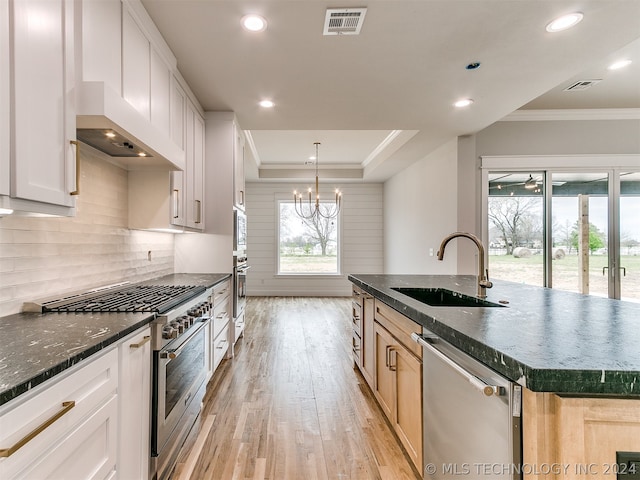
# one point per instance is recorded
(180, 369)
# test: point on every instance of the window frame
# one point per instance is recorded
(337, 274)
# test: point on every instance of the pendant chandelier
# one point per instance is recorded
(309, 210)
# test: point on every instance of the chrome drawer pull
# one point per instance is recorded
(7, 452)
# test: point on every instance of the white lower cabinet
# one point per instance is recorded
(75, 421)
(89, 422)
(221, 325)
(134, 402)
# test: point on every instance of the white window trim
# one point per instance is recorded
(282, 198)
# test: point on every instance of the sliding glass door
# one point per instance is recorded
(580, 232)
(629, 264)
(574, 229)
(516, 227)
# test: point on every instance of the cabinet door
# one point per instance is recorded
(134, 403)
(238, 168)
(408, 411)
(88, 452)
(160, 93)
(4, 97)
(43, 159)
(177, 107)
(368, 339)
(136, 67)
(384, 384)
(194, 172)
(77, 411)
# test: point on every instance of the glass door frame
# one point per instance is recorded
(612, 165)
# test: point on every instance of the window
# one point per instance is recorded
(307, 246)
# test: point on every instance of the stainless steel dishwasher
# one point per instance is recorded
(471, 414)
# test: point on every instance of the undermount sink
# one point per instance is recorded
(440, 297)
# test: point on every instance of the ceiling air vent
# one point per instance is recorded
(581, 85)
(344, 21)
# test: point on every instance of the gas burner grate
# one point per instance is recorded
(139, 298)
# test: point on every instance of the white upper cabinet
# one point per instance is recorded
(173, 201)
(102, 44)
(160, 93)
(194, 187)
(238, 168)
(125, 81)
(136, 65)
(42, 164)
(5, 119)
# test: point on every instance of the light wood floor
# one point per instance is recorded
(290, 405)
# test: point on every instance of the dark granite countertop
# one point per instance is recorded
(37, 346)
(546, 340)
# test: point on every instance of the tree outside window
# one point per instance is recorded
(307, 246)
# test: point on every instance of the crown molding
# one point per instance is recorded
(573, 114)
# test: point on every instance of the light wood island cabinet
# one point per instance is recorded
(579, 436)
(391, 364)
(398, 377)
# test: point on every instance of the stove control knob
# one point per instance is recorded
(169, 332)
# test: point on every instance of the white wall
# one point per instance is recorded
(203, 253)
(559, 137)
(361, 238)
(420, 209)
(40, 257)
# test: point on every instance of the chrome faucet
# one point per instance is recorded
(483, 275)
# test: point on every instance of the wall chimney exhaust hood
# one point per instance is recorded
(101, 112)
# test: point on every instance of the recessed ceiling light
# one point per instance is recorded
(266, 104)
(564, 22)
(619, 64)
(142, 154)
(254, 23)
(465, 102)
(110, 134)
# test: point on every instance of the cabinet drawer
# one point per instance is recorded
(221, 317)
(399, 326)
(88, 388)
(87, 452)
(220, 346)
(238, 326)
(221, 291)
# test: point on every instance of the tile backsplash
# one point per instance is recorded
(42, 256)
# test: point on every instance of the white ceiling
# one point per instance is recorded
(383, 99)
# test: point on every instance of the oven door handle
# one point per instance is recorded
(243, 269)
(175, 353)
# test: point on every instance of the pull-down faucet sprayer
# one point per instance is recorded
(483, 275)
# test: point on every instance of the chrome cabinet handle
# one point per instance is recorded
(77, 190)
(145, 339)
(7, 452)
(481, 386)
(176, 203)
(199, 211)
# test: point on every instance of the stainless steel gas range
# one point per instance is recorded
(179, 346)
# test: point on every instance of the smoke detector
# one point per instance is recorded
(581, 85)
(344, 21)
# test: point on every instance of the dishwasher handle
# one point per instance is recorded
(481, 386)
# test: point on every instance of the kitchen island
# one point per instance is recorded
(577, 358)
